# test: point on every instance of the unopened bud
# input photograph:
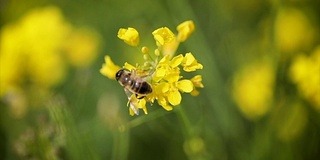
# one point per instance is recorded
(157, 52)
(144, 50)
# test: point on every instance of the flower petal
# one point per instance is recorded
(195, 92)
(163, 35)
(185, 85)
(176, 61)
(109, 69)
(163, 102)
(174, 97)
(189, 59)
(167, 107)
(192, 67)
(190, 64)
(164, 60)
(197, 81)
(129, 36)
(172, 76)
(162, 88)
(159, 74)
(128, 66)
(185, 29)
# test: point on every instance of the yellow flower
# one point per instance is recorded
(185, 29)
(167, 84)
(128, 66)
(163, 72)
(163, 35)
(167, 93)
(30, 50)
(109, 69)
(197, 83)
(167, 69)
(129, 36)
(293, 30)
(253, 89)
(304, 71)
(82, 47)
(170, 48)
(31, 56)
(190, 64)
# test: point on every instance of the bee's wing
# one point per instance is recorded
(134, 108)
(128, 93)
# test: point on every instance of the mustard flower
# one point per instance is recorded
(161, 71)
(129, 36)
(197, 83)
(163, 35)
(109, 69)
(185, 29)
(190, 63)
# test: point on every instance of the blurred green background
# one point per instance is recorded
(261, 74)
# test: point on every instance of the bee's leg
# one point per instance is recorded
(139, 97)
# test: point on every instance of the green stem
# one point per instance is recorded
(143, 119)
(121, 143)
(185, 123)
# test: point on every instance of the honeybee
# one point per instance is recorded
(133, 84)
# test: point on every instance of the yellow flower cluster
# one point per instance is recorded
(161, 70)
(305, 72)
(33, 52)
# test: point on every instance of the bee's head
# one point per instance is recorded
(119, 73)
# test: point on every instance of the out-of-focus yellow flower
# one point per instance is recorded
(185, 29)
(109, 69)
(293, 30)
(82, 47)
(129, 36)
(31, 45)
(253, 89)
(162, 73)
(31, 56)
(10, 60)
(194, 146)
(163, 35)
(305, 72)
(36, 45)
